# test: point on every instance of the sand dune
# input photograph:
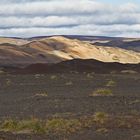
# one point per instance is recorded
(56, 49)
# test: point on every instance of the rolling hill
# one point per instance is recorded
(15, 51)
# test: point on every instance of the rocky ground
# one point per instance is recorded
(61, 98)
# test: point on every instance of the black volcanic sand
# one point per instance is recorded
(68, 96)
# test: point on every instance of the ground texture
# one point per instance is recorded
(72, 96)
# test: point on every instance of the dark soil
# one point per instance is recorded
(69, 96)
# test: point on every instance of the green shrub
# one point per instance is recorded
(63, 126)
(101, 121)
(53, 77)
(111, 83)
(102, 92)
(102, 130)
(100, 117)
(2, 72)
(69, 83)
(9, 125)
(8, 82)
(43, 94)
(90, 75)
(33, 125)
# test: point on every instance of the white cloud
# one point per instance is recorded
(87, 17)
(129, 7)
(112, 30)
(50, 21)
(63, 7)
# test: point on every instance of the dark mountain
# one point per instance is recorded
(130, 45)
(77, 65)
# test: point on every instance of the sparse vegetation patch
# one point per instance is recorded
(53, 77)
(111, 83)
(60, 126)
(102, 92)
(44, 94)
(69, 83)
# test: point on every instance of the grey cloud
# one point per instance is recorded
(88, 17)
(109, 30)
(49, 21)
(54, 21)
(63, 7)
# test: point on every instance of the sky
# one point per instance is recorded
(28, 18)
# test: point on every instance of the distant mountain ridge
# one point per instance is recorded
(54, 49)
(130, 45)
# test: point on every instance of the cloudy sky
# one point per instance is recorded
(26, 18)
